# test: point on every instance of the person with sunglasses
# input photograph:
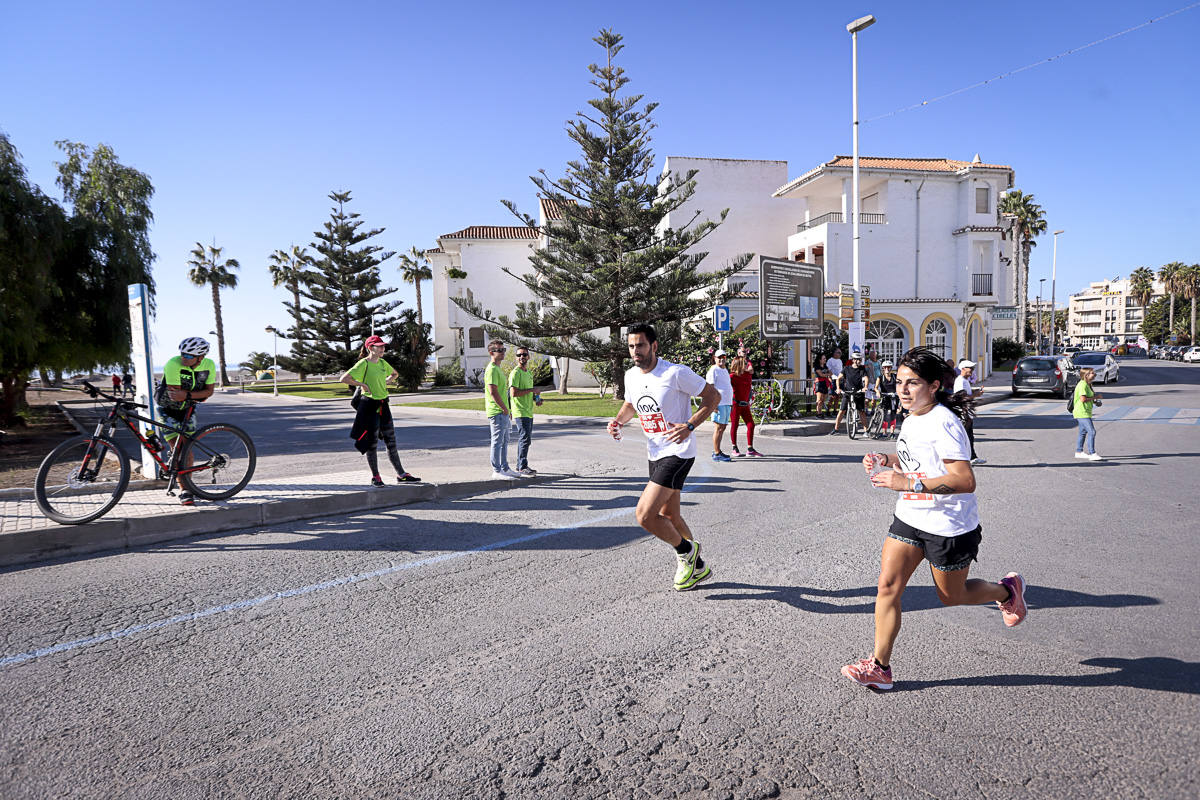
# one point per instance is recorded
(373, 420)
(187, 379)
(496, 404)
(524, 398)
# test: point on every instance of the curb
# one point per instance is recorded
(27, 547)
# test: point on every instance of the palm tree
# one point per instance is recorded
(1141, 287)
(207, 269)
(289, 268)
(1189, 280)
(1169, 275)
(414, 269)
(1030, 222)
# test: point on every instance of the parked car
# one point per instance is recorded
(1054, 374)
(1175, 353)
(1072, 349)
(1155, 351)
(1191, 356)
(1134, 350)
(1104, 364)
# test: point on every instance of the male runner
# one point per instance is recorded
(186, 378)
(659, 394)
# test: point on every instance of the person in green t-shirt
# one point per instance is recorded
(373, 420)
(187, 380)
(1085, 401)
(523, 400)
(496, 405)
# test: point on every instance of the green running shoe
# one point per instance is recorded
(697, 576)
(686, 575)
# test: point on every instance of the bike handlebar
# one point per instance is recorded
(93, 392)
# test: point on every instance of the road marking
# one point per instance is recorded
(133, 630)
(1114, 413)
(1140, 413)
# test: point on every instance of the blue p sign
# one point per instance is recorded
(721, 319)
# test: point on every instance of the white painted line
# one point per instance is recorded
(133, 630)
(1141, 412)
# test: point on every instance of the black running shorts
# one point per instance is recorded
(945, 553)
(670, 471)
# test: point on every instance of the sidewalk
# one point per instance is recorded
(146, 514)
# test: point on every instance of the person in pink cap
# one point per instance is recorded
(373, 420)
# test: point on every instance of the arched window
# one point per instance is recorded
(936, 337)
(887, 339)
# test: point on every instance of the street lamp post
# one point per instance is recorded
(1053, 280)
(271, 329)
(1038, 338)
(853, 28)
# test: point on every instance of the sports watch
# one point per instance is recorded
(917, 485)
(691, 427)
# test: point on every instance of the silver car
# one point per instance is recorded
(1105, 365)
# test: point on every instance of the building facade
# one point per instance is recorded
(1105, 314)
(932, 250)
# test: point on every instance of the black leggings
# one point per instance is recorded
(393, 456)
(890, 404)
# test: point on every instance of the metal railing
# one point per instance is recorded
(981, 284)
(836, 216)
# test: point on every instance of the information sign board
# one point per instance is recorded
(790, 298)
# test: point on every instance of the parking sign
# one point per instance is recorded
(721, 319)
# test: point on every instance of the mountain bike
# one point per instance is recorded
(875, 424)
(84, 477)
(851, 416)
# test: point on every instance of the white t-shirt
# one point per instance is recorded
(926, 441)
(834, 365)
(719, 377)
(961, 384)
(662, 397)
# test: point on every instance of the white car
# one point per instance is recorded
(1104, 363)
(1191, 355)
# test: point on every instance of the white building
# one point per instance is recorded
(1106, 313)
(931, 249)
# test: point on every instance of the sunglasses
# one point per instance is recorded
(499, 350)
(522, 355)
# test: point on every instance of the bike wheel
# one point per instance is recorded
(875, 426)
(852, 421)
(222, 459)
(81, 480)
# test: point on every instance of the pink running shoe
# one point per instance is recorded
(868, 673)
(1013, 610)
(754, 453)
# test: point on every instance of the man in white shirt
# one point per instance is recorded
(718, 377)
(659, 394)
(964, 382)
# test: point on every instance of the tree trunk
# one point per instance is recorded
(420, 314)
(12, 396)
(1171, 318)
(44, 376)
(1022, 291)
(216, 293)
(1193, 340)
(296, 327)
(57, 379)
(564, 366)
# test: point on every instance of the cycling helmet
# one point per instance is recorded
(856, 355)
(887, 364)
(193, 346)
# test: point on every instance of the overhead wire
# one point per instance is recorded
(1038, 63)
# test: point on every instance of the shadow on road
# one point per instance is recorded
(916, 598)
(1152, 672)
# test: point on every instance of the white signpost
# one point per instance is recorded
(143, 362)
(721, 324)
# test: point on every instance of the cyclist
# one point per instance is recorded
(885, 387)
(853, 381)
(187, 379)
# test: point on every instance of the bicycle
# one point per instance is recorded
(875, 425)
(852, 417)
(84, 477)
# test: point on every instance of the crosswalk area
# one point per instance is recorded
(1155, 415)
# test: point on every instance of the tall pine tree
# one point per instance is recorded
(610, 262)
(348, 302)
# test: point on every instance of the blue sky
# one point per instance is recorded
(246, 115)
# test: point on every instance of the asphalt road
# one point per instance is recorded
(528, 643)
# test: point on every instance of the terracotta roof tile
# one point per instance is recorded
(900, 164)
(494, 232)
(550, 209)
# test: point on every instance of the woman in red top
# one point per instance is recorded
(740, 375)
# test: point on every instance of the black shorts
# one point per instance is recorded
(860, 402)
(945, 553)
(670, 471)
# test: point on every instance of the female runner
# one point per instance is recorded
(936, 520)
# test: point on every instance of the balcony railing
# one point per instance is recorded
(836, 216)
(981, 284)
